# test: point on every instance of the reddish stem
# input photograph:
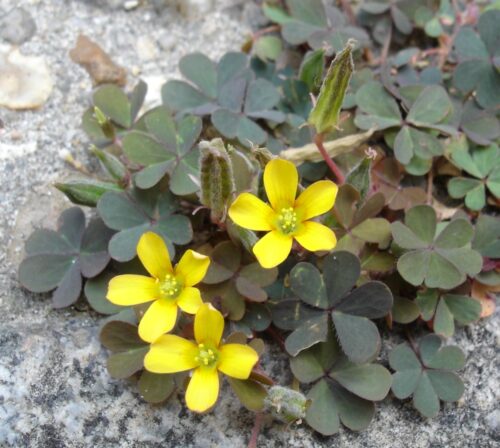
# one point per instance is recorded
(346, 6)
(318, 140)
(264, 31)
(255, 430)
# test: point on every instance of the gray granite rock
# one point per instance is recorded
(17, 26)
(54, 388)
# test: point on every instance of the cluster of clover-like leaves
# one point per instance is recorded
(132, 213)
(437, 255)
(328, 300)
(227, 91)
(483, 164)
(428, 375)
(59, 259)
(317, 23)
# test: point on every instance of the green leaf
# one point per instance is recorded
(139, 212)
(313, 363)
(329, 402)
(372, 299)
(124, 364)
(268, 47)
(427, 303)
(95, 292)
(119, 336)
(307, 283)
(289, 314)
(257, 317)
(311, 69)
(311, 332)
(155, 387)
(431, 107)
(376, 108)
(368, 381)
(477, 70)
(322, 414)
(250, 393)
(375, 230)
(444, 260)
(404, 310)
(358, 336)
(325, 114)
(111, 100)
(201, 71)
(425, 399)
(224, 262)
(181, 96)
(341, 270)
(447, 385)
(430, 382)
(443, 320)
(487, 236)
(58, 260)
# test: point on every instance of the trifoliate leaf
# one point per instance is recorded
(429, 377)
(138, 211)
(59, 259)
(437, 259)
(350, 309)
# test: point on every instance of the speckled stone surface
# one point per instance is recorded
(54, 388)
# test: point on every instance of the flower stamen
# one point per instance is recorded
(170, 287)
(287, 220)
(207, 357)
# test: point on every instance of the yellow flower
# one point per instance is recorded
(208, 357)
(287, 217)
(168, 287)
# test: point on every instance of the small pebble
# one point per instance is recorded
(17, 26)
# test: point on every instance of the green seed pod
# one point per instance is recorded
(86, 191)
(325, 114)
(217, 179)
(286, 405)
(116, 169)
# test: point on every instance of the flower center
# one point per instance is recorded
(170, 287)
(287, 221)
(207, 356)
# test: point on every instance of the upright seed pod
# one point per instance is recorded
(217, 179)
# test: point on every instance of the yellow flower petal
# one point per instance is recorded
(171, 354)
(130, 289)
(280, 181)
(272, 249)
(154, 255)
(315, 236)
(189, 300)
(316, 199)
(203, 389)
(250, 212)
(192, 267)
(159, 318)
(208, 325)
(237, 360)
